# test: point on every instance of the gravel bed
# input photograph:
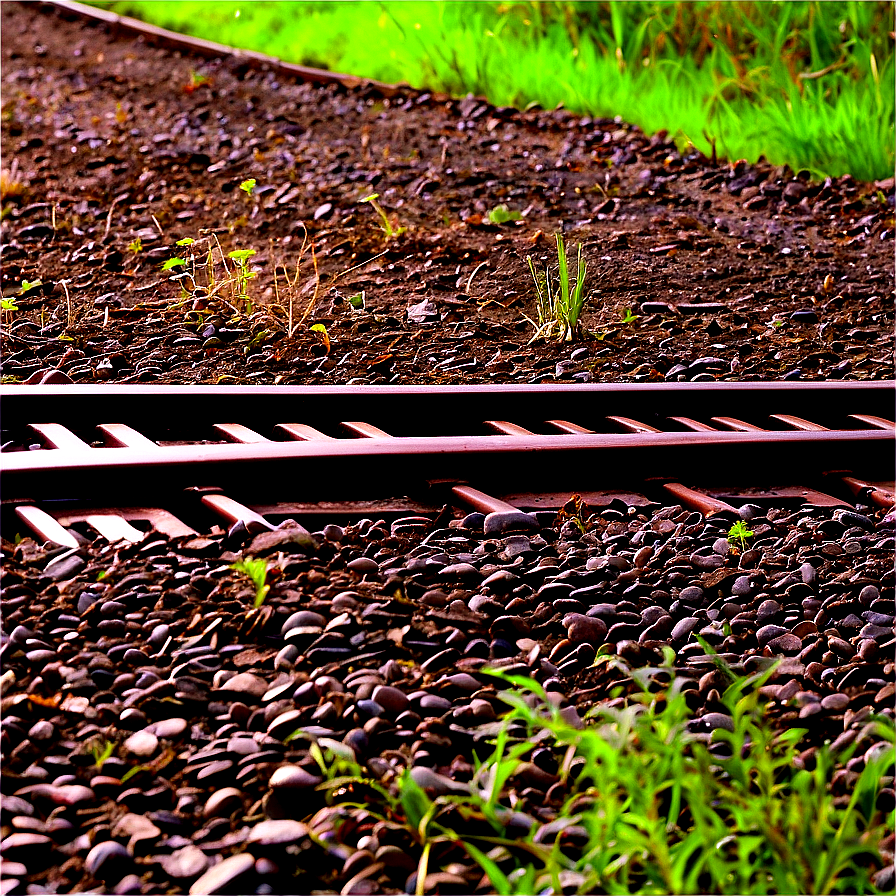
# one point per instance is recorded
(147, 707)
(115, 152)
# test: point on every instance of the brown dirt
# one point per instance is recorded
(111, 140)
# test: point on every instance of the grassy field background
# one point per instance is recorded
(809, 84)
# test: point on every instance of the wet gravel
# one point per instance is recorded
(149, 713)
(727, 271)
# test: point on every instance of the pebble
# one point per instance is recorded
(684, 627)
(142, 744)
(292, 777)
(186, 863)
(584, 629)
(109, 861)
(230, 875)
(277, 832)
(505, 521)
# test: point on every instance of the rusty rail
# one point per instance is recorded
(257, 454)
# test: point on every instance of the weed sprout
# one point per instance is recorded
(389, 229)
(257, 571)
(559, 302)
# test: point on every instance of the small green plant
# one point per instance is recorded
(247, 186)
(740, 532)
(559, 302)
(136, 246)
(134, 771)
(320, 331)
(627, 316)
(173, 263)
(186, 241)
(28, 285)
(101, 750)
(8, 305)
(257, 570)
(197, 80)
(501, 214)
(650, 806)
(243, 274)
(391, 230)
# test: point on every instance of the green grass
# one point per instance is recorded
(809, 84)
(650, 808)
(559, 300)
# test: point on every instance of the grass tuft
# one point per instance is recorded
(650, 806)
(559, 301)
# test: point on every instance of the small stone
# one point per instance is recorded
(768, 609)
(139, 829)
(466, 572)
(244, 685)
(167, 729)
(228, 876)
(835, 702)
(277, 832)
(584, 629)
(718, 720)
(684, 627)
(65, 567)
(222, 803)
(788, 644)
(185, 864)
(109, 861)
(288, 537)
(768, 632)
(435, 784)
(393, 701)
(27, 847)
(504, 521)
(303, 618)
(363, 566)
(293, 777)
(142, 744)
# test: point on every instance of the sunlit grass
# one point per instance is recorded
(809, 84)
(649, 806)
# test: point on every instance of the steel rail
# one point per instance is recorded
(433, 410)
(170, 463)
(539, 460)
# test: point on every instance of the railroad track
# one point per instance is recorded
(121, 460)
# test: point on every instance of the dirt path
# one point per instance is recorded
(124, 149)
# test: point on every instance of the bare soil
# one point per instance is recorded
(114, 150)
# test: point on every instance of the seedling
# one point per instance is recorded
(559, 302)
(186, 241)
(321, 332)
(197, 80)
(501, 214)
(243, 274)
(173, 263)
(628, 317)
(257, 571)
(101, 751)
(136, 246)
(8, 308)
(247, 186)
(28, 285)
(741, 533)
(392, 231)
